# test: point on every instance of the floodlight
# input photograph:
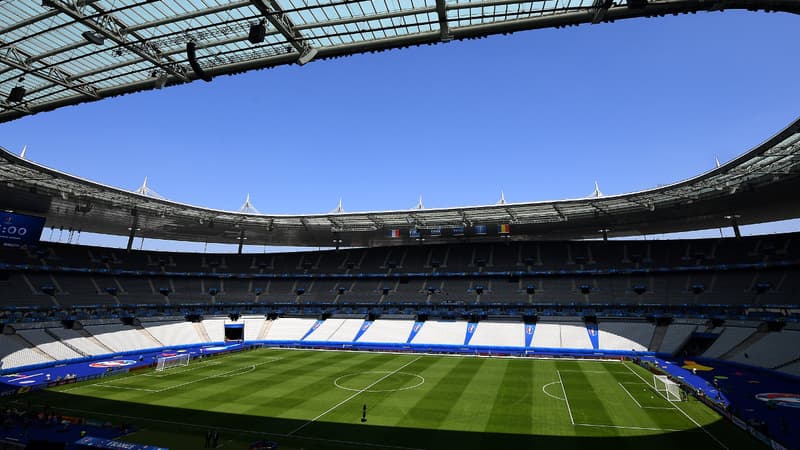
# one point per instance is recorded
(93, 37)
(307, 56)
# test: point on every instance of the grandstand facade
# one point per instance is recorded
(539, 279)
(485, 280)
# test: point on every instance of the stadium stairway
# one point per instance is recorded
(201, 331)
(752, 339)
(262, 335)
(786, 364)
(66, 344)
(658, 337)
(36, 349)
(93, 338)
(144, 331)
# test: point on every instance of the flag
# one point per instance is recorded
(504, 228)
(458, 231)
(480, 229)
(394, 233)
(414, 233)
(436, 231)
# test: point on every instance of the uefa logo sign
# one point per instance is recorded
(113, 364)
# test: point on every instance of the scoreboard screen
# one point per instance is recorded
(20, 229)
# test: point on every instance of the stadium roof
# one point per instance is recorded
(759, 186)
(55, 53)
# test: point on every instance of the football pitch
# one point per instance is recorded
(315, 399)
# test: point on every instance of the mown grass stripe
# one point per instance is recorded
(584, 396)
(435, 416)
(366, 388)
(511, 408)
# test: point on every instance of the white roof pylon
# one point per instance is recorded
(147, 192)
(596, 193)
(717, 161)
(339, 208)
(502, 200)
(248, 207)
(22, 153)
(419, 204)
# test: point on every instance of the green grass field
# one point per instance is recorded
(313, 399)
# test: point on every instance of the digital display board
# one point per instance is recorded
(19, 229)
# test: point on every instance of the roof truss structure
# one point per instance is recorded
(45, 49)
(759, 186)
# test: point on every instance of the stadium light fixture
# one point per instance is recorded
(307, 56)
(257, 33)
(94, 37)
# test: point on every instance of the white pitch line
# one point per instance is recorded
(625, 427)
(682, 411)
(566, 399)
(199, 365)
(111, 386)
(595, 371)
(353, 396)
(204, 363)
(219, 375)
(630, 395)
(549, 394)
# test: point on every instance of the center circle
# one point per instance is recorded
(368, 382)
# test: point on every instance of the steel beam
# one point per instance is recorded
(272, 11)
(112, 28)
(19, 59)
(444, 27)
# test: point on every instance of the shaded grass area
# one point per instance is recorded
(315, 400)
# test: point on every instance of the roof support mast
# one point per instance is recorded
(241, 242)
(444, 27)
(133, 228)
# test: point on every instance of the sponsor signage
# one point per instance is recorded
(112, 364)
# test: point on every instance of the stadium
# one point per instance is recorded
(507, 325)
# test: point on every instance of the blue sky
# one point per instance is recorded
(540, 115)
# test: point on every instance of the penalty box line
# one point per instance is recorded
(682, 411)
(168, 388)
(624, 427)
(353, 396)
(622, 385)
(127, 376)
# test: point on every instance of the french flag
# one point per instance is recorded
(394, 233)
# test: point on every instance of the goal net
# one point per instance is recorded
(168, 362)
(666, 387)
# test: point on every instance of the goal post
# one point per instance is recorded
(666, 387)
(168, 362)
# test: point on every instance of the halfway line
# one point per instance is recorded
(566, 399)
(353, 396)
